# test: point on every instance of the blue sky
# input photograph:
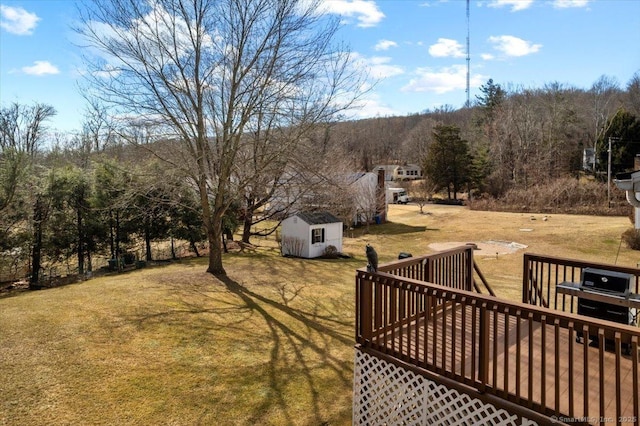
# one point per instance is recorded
(415, 49)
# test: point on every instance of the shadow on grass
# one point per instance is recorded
(283, 334)
(303, 345)
(389, 228)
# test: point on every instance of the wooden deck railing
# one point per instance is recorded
(453, 268)
(524, 354)
(541, 275)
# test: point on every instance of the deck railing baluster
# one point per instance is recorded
(618, 349)
(496, 340)
(518, 355)
(543, 361)
(601, 381)
(443, 339)
(530, 376)
(454, 327)
(505, 367)
(571, 372)
(463, 337)
(483, 350)
(557, 358)
(585, 370)
(635, 378)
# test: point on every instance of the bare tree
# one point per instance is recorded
(22, 129)
(420, 191)
(209, 73)
(633, 93)
(604, 93)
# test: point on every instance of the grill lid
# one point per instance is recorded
(603, 281)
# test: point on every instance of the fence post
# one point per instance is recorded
(366, 316)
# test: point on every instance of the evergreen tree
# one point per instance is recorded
(186, 220)
(624, 133)
(448, 161)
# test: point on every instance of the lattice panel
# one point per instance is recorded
(385, 394)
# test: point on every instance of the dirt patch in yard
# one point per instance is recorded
(482, 248)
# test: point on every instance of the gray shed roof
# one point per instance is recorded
(317, 218)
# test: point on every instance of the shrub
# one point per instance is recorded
(632, 238)
(330, 252)
(565, 195)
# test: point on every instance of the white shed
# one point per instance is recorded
(308, 234)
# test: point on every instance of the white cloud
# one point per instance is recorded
(513, 46)
(377, 67)
(445, 48)
(515, 5)
(564, 4)
(371, 106)
(385, 45)
(380, 67)
(41, 68)
(432, 3)
(16, 20)
(487, 56)
(443, 80)
(365, 11)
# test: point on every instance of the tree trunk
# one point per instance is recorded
(89, 264)
(214, 233)
(80, 241)
(38, 221)
(248, 221)
(212, 219)
(117, 257)
(35, 256)
(194, 247)
(112, 245)
(147, 243)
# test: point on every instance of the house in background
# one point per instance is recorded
(308, 234)
(369, 199)
(356, 198)
(403, 172)
(407, 172)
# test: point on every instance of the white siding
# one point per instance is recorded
(294, 227)
(332, 236)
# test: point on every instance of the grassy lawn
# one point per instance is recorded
(272, 344)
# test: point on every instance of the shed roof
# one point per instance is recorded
(317, 218)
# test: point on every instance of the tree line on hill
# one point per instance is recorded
(513, 138)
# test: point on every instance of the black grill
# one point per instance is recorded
(609, 283)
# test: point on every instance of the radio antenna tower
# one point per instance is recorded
(468, 104)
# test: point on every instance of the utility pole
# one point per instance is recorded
(611, 139)
(468, 104)
(609, 174)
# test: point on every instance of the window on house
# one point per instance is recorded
(317, 235)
